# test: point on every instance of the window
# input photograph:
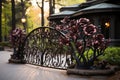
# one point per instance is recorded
(104, 22)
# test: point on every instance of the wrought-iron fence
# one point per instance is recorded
(41, 47)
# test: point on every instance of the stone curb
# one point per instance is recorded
(17, 61)
(84, 72)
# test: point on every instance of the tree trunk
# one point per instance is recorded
(51, 6)
(42, 13)
(13, 14)
(23, 15)
(0, 20)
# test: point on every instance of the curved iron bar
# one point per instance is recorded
(41, 47)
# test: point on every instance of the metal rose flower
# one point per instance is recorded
(98, 40)
(72, 23)
(65, 20)
(99, 37)
(83, 40)
(59, 27)
(90, 29)
(17, 36)
(63, 41)
(83, 21)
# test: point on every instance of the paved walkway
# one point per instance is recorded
(30, 72)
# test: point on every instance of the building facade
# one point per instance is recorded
(102, 13)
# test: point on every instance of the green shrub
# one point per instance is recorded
(112, 55)
(5, 44)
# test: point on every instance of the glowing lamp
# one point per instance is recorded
(23, 20)
(107, 24)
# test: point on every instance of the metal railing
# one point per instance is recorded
(41, 47)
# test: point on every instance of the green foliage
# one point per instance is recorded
(7, 16)
(6, 19)
(69, 2)
(112, 55)
(20, 11)
(5, 44)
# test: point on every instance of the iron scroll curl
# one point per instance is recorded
(41, 47)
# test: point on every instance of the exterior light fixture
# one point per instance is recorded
(107, 24)
(23, 20)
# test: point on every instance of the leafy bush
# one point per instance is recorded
(5, 44)
(112, 55)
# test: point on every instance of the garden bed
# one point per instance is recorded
(89, 72)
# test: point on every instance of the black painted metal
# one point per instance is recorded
(41, 47)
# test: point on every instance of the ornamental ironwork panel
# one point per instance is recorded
(41, 47)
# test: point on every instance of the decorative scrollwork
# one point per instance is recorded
(41, 47)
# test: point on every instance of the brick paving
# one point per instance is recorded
(30, 72)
